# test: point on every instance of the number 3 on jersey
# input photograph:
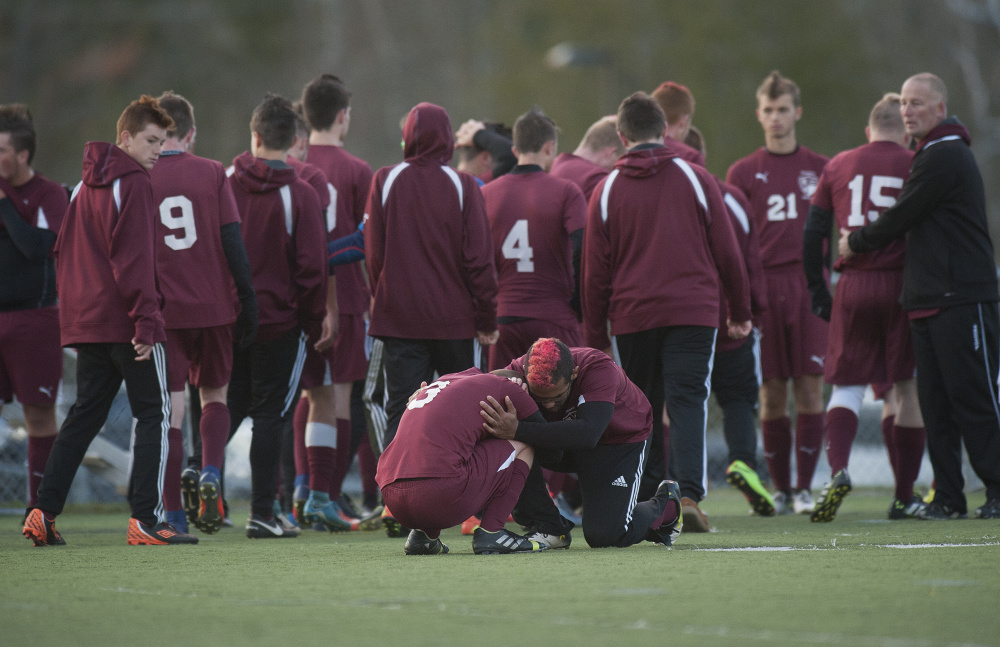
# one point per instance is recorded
(857, 187)
(516, 246)
(184, 221)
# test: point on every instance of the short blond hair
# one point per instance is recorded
(885, 117)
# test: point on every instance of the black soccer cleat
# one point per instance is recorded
(832, 496)
(259, 527)
(910, 510)
(189, 495)
(937, 511)
(990, 510)
(667, 533)
(502, 542)
(418, 543)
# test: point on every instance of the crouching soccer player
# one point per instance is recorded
(442, 467)
(595, 422)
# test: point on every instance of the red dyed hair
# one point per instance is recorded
(549, 362)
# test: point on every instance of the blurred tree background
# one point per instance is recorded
(77, 63)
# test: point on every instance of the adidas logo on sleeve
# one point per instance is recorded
(620, 481)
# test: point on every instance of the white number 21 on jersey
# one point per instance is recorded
(857, 186)
(184, 221)
(516, 246)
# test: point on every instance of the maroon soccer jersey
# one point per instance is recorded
(41, 202)
(349, 179)
(531, 216)
(193, 201)
(283, 233)
(857, 186)
(779, 188)
(583, 173)
(441, 427)
(601, 380)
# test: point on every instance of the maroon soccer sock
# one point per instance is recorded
(670, 513)
(321, 462)
(777, 436)
(215, 423)
(910, 450)
(841, 428)
(499, 508)
(889, 439)
(342, 460)
(808, 441)
(299, 420)
(172, 476)
(367, 467)
(38, 455)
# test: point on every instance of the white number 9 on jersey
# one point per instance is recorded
(184, 221)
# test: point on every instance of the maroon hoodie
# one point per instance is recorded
(283, 232)
(658, 239)
(427, 241)
(105, 257)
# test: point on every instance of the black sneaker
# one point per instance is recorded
(911, 510)
(259, 527)
(937, 511)
(667, 533)
(832, 496)
(502, 542)
(189, 495)
(40, 530)
(991, 510)
(418, 543)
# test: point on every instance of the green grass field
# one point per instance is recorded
(860, 580)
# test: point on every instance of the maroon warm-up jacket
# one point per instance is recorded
(657, 242)
(283, 232)
(105, 257)
(427, 241)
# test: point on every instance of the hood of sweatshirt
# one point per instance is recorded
(257, 176)
(103, 163)
(950, 126)
(427, 136)
(644, 160)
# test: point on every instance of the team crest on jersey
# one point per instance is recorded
(807, 184)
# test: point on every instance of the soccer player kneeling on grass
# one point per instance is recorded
(442, 467)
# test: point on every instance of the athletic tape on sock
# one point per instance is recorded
(848, 397)
(320, 434)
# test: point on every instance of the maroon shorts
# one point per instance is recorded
(344, 363)
(516, 338)
(31, 358)
(793, 339)
(203, 356)
(433, 504)
(869, 331)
